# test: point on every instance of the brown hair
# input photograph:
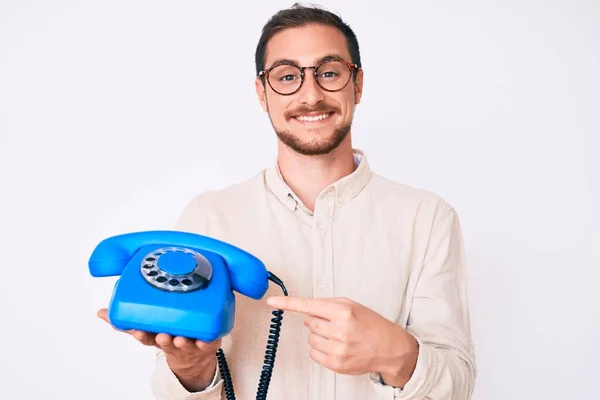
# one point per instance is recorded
(300, 15)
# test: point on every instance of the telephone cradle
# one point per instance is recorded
(182, 284)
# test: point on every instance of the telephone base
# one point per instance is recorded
(188, 324)
(206, 313)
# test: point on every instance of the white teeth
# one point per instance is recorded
(312, 119)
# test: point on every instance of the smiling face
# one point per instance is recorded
(311, 121)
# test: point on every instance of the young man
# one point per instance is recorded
(375, 270)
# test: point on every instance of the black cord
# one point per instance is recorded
(270, 353)
(272, 343)
(226, 375)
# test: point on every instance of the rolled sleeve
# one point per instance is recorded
(439, 320)
(414, 387)
(166, 386)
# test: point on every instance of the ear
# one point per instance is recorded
(261, 93)
(358, 86)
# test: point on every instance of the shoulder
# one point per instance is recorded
(216, 203)
(405, 198)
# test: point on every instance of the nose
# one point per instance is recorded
(310, 93)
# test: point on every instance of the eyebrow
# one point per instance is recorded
(287, 61)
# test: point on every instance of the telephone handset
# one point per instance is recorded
(182, 284)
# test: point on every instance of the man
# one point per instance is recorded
(375, 270)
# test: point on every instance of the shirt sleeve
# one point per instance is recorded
(439, 320)
(166, 386)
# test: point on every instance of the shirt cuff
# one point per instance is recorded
(166, 385)
(417, 386)
(383, 390)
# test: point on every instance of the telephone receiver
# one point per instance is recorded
(182, 284)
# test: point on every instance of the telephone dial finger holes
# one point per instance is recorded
(176, 269)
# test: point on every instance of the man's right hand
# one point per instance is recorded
(192, 361)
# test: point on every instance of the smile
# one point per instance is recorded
(312, 118)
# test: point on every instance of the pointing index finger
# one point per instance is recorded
(316, 307)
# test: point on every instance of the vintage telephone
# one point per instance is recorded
(181, 284)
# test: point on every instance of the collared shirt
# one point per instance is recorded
(390, 247)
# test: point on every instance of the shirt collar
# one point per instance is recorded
(344, 189)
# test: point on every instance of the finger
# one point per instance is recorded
(165, 342)
(330, 362)
(208, 346)
(320, 326)
(145, 338)
(324, 308)
(317, 342)
(319, 357)
(183, 343)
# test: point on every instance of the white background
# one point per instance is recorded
(113, 114)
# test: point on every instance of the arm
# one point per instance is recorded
(439, 321)
(166, 385)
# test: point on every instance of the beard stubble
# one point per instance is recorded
(317, 146)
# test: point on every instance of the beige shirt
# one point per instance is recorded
(393, 248)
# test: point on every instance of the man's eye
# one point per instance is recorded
(328, 74)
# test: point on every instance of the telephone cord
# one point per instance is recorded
(225, 375)
(270, 353)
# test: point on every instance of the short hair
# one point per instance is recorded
(300, 15)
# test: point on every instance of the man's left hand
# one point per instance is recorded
(352, 339)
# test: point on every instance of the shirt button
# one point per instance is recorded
(322, 284)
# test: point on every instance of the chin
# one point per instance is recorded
(319, 145)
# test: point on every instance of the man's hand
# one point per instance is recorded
(192, 361)
(349, 338)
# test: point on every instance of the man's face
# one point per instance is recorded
(312, 121)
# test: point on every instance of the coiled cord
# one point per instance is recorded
(272, 343)
(270, 353)
(226, 375)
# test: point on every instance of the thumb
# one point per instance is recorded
(103, 315)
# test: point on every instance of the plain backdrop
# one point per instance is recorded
(114, 114)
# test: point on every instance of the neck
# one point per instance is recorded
(308, 176)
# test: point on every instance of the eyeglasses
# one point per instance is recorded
(331, 75)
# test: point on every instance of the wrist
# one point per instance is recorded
(196, 377)
(397, 369)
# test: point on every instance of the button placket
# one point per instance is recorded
(323, 246)
(324, 379)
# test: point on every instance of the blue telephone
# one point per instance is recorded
(182, 284)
